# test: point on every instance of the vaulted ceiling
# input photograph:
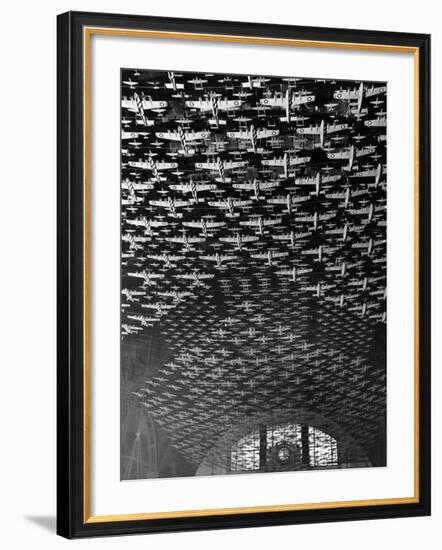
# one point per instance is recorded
(254, 250)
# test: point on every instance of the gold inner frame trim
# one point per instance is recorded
(87, 34)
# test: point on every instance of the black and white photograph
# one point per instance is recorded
(253, 274)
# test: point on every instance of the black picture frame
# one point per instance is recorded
(72, 516)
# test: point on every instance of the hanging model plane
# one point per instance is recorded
(261, 223)
(204, 225)
(253, 134)
(221, 166)
(239, 240)
(289, 101)
(194, 188)
(321, 130)
(230, 204)
(171, 204)
(285, 162)
(256, 186)
(214, 104)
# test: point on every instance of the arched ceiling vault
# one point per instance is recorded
(254, 250)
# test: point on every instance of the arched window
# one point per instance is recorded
(287, 446)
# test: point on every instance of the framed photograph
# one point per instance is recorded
(243, 274)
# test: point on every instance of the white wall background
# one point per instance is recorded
(27, 273)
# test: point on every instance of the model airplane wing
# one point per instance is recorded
(347, 94)
(229, 164)
(202, 104)
(209, 165)
(332, 128)
(277, 102)
(309, 130)
(166, 165)
(239, 202)
(228, 104)
(375, 90)
(159, 202)
(150, 104)
(168, 135)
